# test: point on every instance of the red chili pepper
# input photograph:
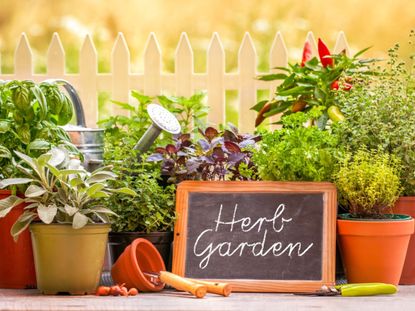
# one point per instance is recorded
(307, 53)
(347, 86)
(323, 52)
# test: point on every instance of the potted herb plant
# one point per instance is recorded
(312, 83)
(30, 119)
(373, 242)
(217, 155)
(379, 113)
(297, 152)
(150, 214)
(69, 226)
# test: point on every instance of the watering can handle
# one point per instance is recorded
(76, 100)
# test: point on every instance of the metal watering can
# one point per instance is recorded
(90, 141)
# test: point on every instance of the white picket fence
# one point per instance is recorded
(183, 82)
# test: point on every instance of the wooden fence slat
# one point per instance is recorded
(341, 44)
(23, 66)
(184, 67)
(247, 89)
(278, 57)
(310, 38)
(215, 81)
(152, 66)
(120, 67)
(88, 81)
(55, 58)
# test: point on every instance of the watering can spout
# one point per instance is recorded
(163, 120)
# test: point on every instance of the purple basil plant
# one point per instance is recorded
(224, 155)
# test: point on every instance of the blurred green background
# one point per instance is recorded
(375, 23)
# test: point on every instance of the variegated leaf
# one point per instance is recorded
(34, 191)
(47, 213)
(79, 221)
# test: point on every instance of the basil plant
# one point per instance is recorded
(59, 190)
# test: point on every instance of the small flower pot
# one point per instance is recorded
(139, 257)
(374, 250)
(68, 260)
(17, 269)
(406, 205)
(118, 242)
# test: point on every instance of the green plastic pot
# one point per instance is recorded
(68, 260)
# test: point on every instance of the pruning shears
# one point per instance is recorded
(355, 290)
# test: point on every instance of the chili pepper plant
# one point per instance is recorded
(312, 83)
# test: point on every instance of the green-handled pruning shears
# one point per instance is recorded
(356, 289)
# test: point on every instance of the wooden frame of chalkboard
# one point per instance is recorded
(257, 236)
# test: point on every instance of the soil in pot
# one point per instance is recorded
(374, 250)
(406, 205)
(17, 268)
(68, 260)
(118, 242)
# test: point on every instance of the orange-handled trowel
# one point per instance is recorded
(194, 286)
(141, 266)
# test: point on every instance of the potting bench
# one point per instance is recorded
(172, 300)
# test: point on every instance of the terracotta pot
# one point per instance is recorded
(118, 242)
(406, 205)
(17, 268)
(141, 256)
(68, 260)
(374, 250)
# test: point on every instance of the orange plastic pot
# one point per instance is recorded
(406, 205)
(17, 268)
(374, 250)
(140, 256)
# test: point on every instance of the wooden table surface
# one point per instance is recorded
(171, 300)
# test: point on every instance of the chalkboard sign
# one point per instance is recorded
(258, 236)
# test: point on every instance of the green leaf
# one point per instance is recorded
(5, 153)
(41, 99)
(38, 144)
(124, 190)
(124, 106)
(103, 210)
(259, 105)
(99, 195)
(58, 156)
(143, 99)
(79, 221)
(7, 204)
(47, 213)
(22, 223)
(271, 77)
(34, 191)
(101, 177)
(29, 161)
(361, 52)
(14, 181)
(294, 90)
(75, 182)
(70, 210)
(94, 188)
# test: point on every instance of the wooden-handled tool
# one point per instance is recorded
(179, 283)
(194, 286)
(218, 288)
